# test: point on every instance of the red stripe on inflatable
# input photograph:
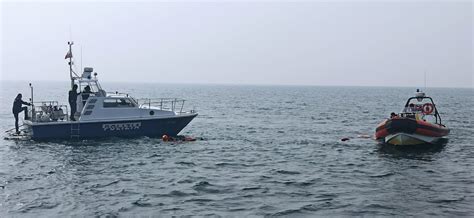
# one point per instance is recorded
(381, 133)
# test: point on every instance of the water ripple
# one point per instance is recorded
(268, 151)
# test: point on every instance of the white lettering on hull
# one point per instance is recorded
(121, 126)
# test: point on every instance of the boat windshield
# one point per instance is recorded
(90, 85)
(415, 105)
(421, 108)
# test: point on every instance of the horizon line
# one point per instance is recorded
(247, 84)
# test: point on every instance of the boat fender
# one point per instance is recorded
(428, 108)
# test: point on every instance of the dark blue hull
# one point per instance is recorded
(102, 129)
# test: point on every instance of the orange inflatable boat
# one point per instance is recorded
(418, 123)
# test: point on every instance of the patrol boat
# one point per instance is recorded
(418, 123)
(101, 114)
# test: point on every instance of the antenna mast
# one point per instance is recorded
(425, 80)
(80, 70)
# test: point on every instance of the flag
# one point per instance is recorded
(68, 55)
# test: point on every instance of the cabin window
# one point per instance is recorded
(90, 107)
(88, 113)
(118, 103)
(92, 101)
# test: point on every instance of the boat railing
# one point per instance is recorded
(48, 111)
(119, 94)
(168, 104)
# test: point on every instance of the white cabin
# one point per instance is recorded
(120, 106)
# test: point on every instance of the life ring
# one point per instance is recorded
(428, 108)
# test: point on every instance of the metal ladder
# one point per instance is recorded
(75, 130)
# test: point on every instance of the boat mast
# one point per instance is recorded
(70, 62)
(33, 114)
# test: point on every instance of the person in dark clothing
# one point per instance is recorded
(85, 94)
(73, 101)
(393, 115)
(17, 109)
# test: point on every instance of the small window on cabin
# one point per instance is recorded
(88, 113)
(90, 107)
(118, 103)
(92, 101)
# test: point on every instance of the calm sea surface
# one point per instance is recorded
(267, 150)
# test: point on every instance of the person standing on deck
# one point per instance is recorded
(73, 101)
(85, 94)
(17, 109)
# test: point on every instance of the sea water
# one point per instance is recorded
(265, 150)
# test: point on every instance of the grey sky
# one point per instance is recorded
(303, 43)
